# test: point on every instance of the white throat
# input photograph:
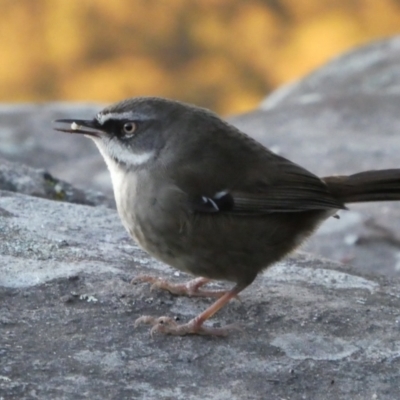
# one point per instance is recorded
(115, 152)
(123, 181)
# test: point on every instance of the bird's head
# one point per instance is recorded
(136, 131)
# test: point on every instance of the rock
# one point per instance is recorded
(27, 136)
(368, 70)
(311, 328)
(332, 136)
(20, 178)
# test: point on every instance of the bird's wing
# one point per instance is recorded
(294, 190)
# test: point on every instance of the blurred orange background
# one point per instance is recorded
(222, 54)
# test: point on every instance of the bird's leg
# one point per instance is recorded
(195, 326)
(191, 288)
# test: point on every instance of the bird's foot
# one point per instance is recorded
(191, 288)
(195, 326)
(169, 326)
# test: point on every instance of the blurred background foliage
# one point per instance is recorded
(222, 54)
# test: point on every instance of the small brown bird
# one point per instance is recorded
(205, 198)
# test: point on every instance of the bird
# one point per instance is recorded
(202, 196)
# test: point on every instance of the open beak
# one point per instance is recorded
(83, 126)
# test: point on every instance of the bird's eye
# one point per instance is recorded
(129, 129)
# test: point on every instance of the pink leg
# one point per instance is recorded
(191, 288)
(195, 326)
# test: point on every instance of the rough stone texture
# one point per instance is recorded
(311, 329)
(371, 69)
(16, 177)
(334, 135)
(27, 136)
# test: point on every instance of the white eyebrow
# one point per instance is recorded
(103, 118)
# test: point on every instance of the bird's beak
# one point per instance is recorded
(82, 126)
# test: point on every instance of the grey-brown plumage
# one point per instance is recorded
(205, 198)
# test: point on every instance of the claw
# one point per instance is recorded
(169, 326)
(195, 326)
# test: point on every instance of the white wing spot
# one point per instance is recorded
(220, 194)
(213, 204)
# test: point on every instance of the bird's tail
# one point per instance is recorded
(381, 185)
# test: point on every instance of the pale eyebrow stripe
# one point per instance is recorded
(102, 118)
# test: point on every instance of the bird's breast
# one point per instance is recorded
(125, 193)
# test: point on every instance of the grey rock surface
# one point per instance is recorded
(370, 69)
(311, 329)
(27, 136)
(333, 136)
(16, 177)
